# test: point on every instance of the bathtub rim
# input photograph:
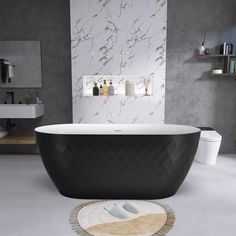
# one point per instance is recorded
(116, 129)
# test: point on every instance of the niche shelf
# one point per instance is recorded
(225, 64)
(118, 82)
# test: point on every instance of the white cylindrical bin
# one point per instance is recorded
(129, 88)
(208, 147)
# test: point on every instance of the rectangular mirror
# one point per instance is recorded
(20, 64)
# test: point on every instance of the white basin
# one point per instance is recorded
(21, 110)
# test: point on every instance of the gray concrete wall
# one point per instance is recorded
(26, 58)
(192, 96)
(49, 22)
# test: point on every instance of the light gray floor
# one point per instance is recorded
(31, 206)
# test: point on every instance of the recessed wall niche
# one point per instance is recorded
(118, 38)
(118, 81)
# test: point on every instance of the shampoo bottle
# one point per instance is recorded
(111, 89)
(95, 90)
(105, 88)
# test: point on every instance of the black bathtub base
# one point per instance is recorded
(140, 196)
(117, 166)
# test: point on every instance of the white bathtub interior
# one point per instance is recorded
(116, 129)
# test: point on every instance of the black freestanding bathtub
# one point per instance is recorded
(117, 161)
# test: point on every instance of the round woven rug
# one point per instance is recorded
(121, 217)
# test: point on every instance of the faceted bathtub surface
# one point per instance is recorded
(138, 163)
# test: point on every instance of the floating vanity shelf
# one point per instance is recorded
(19, 139)
(118, 81)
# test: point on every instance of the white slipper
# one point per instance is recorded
(116, 211)
(131, 208)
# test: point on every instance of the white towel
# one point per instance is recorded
(11, 71)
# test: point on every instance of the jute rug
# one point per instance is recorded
(121, 218)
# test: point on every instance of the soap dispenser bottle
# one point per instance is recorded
(101, 90)
(38, 101)
(111, 89)
(95, 90)
(105, 88)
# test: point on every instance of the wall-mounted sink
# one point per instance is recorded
(21, 111)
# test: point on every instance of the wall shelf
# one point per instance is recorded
(215, 55)
(27, 139)
(223, 75)
(226, 59)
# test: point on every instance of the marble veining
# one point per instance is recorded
(118, 38)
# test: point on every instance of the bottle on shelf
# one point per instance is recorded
(95, 90)
(111, 89)
(232, 66)
(105, 88)
(38, 100)
(37, 97)
(101, 90)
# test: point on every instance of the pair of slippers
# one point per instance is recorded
(121, 210)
